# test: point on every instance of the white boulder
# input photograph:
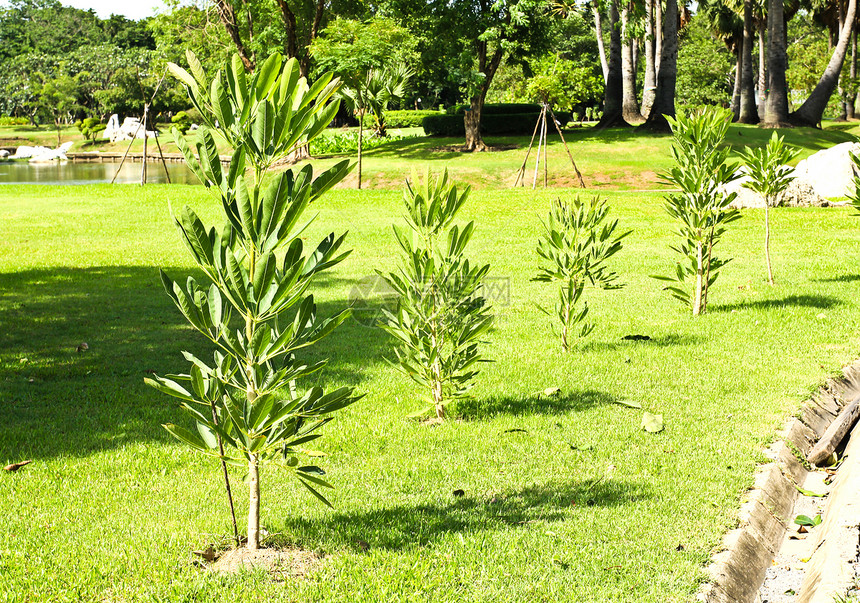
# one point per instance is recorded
(830, 172)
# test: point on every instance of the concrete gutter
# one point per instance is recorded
(738, 570)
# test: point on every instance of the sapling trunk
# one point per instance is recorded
(707, 284)
(697, 301)
(767, 240)
(253, 503)
(360, 137)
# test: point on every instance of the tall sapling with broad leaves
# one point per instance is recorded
(703, 208)
(576, 243)
(441, 314)
(769, 177)
(246, 402)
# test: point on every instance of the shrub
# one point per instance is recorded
(769, 177)
(90, 127)
(181, 122)
(246, 405)
(13, 121)
(575, 245)
(702, 208)
(441, 314)
(344, 143)
(498, 109)
(492, 124)
(401, 119)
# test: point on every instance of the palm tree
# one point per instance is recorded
(776, 105)
(613, 93)
(811, 111)
(664, 95)
(371, 95)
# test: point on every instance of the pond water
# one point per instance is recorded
(18, 172)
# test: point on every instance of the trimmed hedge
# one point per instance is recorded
(498, 109)
(491, 124)
(401, 119)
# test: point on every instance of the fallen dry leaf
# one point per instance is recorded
(15, 466)
(208, 553)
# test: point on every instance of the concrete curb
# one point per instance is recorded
(830, 571)
(738, 570)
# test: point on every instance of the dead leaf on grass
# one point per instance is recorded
(15, 466)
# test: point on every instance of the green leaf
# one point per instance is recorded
(652, 423)
(805, 520)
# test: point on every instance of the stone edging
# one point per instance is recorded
(738, 570)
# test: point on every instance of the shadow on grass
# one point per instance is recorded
(842, 278)
(534, 404)
(59, 398)
(403, 526)
(660, 341)
(821, 302)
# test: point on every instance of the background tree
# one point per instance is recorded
(370, 95)
(812, 110)
(490, 30)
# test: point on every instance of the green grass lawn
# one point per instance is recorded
(578, 504)
(617, 159)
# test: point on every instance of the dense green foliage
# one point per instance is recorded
(704, 68)
(492, 124)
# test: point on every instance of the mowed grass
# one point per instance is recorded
(565, 498)
(615, 159)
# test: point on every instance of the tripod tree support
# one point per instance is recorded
(542, 127)
(143, 124)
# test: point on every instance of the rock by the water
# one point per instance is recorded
(129, 129)
(830, 172)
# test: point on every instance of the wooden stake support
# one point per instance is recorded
(540, 132)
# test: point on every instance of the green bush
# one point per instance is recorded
(401, 119)
(13, 121)
(181, 121)
(491, 124)
(498, 109)
(90, 127)
(342, 143)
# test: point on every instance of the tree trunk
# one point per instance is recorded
(254, 503)
(472, 118)
(598, 31)
(658, 37)
(736, 88)
(812, 110)
(762, 71)
(629, 103)
(472, 121)
(767, 239)
(852, 101)
(360, 136)
(748, 111)
(613, 95)
(228, 19)
(650, 80)
(700, 260)
(776, 106)
(664, 99)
